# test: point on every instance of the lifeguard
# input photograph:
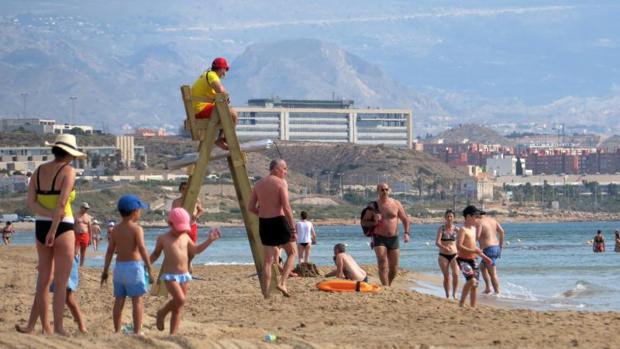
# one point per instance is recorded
(206, 86)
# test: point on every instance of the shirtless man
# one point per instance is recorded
(490, 235)
(83, 228)
(198, 211)
(276, 225)
(467, 253)
(346, 266)
(385, 233)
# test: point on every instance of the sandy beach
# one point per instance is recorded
(226, 310)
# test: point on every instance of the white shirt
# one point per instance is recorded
(304, 232)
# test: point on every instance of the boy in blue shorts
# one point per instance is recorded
(132, 262)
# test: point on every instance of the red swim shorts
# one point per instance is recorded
(205, 113)
(82, 239)
(193, 233)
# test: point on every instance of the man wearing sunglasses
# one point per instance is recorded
(385, 234)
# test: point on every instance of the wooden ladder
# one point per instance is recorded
(206, 131)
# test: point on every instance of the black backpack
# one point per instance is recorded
(368, 228)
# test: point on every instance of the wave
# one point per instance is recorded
(583, 289)
(228, 263)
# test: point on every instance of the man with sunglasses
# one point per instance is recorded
(205, 87)
(385, 234)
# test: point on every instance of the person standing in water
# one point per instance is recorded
(490, 235)
(446, 242)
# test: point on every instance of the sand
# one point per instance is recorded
(226, 310)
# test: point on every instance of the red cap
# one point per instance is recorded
(220, 62)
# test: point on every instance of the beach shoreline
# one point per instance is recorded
(226, 310)
(521, 218)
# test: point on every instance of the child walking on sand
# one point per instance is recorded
(467, 253)
(178, 250)
(127, 240)
(71, 301)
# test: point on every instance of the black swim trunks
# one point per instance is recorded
(469, 268)
(41, 228)
(274, 231)
(391, 243)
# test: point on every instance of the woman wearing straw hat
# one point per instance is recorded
(50, 195)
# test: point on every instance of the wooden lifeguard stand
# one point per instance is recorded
(206, 131)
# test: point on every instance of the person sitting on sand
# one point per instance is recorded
(127, 240)
(467, 252)
(178, 249)
(346, 266)
(599, 242)
(71, 301)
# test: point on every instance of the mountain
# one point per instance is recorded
(449, 61)
(318, 70)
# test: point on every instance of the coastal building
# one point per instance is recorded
(501, 165)
(26, 159)
(41, 126)
(324, 121)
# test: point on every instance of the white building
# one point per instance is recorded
(501, 165)
(322, 121)
(40, 126)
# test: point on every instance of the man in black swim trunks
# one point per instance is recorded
(385, 234)
(276, 225)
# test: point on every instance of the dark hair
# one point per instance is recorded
(339, 248)
(448, 211)
(599, 232)
(304, 214)
(9, 223)
(182, 184)
(59, 153)
(125, 213)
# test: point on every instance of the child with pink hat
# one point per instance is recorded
(178, 248)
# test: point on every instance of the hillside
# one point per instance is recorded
(611, 144)
(471, 133)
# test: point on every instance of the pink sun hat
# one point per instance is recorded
(179, 218)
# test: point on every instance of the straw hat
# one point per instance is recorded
(67, 143)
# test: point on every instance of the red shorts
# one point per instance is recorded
(205, 113)
(82, 239)
(193, 233)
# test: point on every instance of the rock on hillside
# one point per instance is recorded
(471, 133)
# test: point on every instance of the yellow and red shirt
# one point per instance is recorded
(203, 87)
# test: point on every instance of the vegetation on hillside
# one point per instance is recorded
(472, 133)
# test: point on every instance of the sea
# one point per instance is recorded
(544, 266)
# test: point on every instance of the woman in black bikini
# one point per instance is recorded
(446, 242)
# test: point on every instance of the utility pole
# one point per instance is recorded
(24, 94)
(72, 98)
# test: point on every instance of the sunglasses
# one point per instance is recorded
(385, 189)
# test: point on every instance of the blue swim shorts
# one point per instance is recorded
(180, 278)
(130, 279)
(74, 277)
(493, 252)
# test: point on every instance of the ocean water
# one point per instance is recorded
(544, 266)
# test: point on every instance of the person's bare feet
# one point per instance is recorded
(221, 143)
(23, 329)
(61, 332)
(487, 291)
(283, 290)
(160, 321)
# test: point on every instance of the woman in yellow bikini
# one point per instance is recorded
(50, 195)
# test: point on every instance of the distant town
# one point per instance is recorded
(494, 167)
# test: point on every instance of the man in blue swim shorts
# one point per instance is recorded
(491, 239)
